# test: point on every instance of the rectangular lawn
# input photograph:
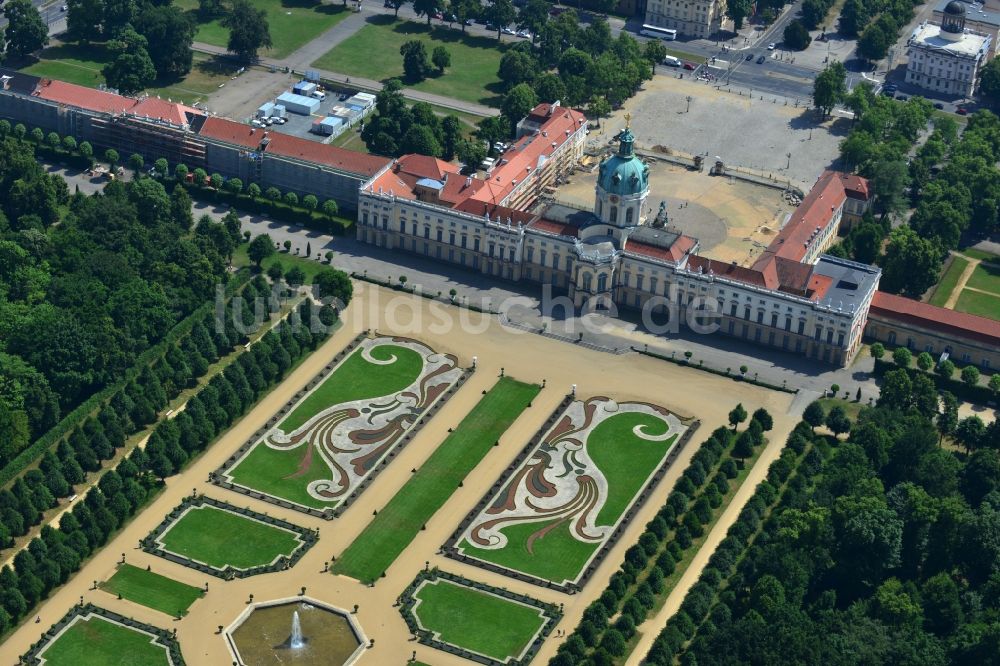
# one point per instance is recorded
(99, 642)
(948, 281)
(391, 531)
(292, 23)
(373, 53)
(476, 620)
(152, 590)
(978, 303)
(219, 538)
(986, 277)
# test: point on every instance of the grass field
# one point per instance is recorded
(152, 590)
(949, 280)
(98, 642)
(474, 59)
(986, 277)
(308, 266)
(277, 472)
(626, 462)
(385, 538)
(982, 255)
(292, 23)
(217, 538)
(476, 620)
(82, 66)
(978, 303)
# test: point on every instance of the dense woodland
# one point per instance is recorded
(55, 554)
(87, 284)
(880, 548)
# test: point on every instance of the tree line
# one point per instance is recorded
(49, 559)
(876, 23)
(634, 590)
(82, 300)
(882, 548)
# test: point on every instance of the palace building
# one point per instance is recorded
(793, 297)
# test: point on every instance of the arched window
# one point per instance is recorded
(602, 282)
(628, 215)
(586, 281)
(614, 214)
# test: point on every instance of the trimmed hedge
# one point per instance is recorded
(979, 394)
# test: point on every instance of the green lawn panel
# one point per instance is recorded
(391, 531)
(217, 538)
(357, 379)
(477, 621)
(978, 303)
(152, 590)
(558, 556)
(275, 472)
(292, 23)
(986, 277)
(948, 281)
(474, 59)
(98, 642)
(626, 461)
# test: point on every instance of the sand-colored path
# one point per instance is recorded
(522, 355)
(963, 279)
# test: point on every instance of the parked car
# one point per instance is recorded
(761, 59)
(962, 111)
(524, 34)
(772, 46)
(508, 31)
(902, 98)
(938, 105)
(469, 21)
(749, 57)
(689, 65)
(438, 15)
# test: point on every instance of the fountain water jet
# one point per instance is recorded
(296, 641)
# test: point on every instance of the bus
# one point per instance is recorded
(668, 34)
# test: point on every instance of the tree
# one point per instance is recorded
(25, 32)
(925, 361)
(261, 247)
(945, 368)
(533, 17)
(517, 67)
(738, 10)
(830, 87)
(162, 167)
(911, 264)
(654, 51)
(763, 417)
(427, 8)
(969, 432)
(875, 41)
(989, 83)
(135, 162)
(84, 20)
(334, 284)
(814, 414)
(295, 276)
(310, 202)
(210, 9)
(599, 107)
(796, 36)
(550, 88)
(248, 30)
(837, 420)
(970, 375)
(470, 153)
(396, 4)
(518, 102)
(743, 448)
(994, 384)
(737, 415)
(877, 350)
(493, 129)
(451, 134)
(902, 357)
(330, 207)
(131, 69)
(854, 16)
(111, 156)
(14, 425)
(416, 65)
(441, 58)
(272, 193)
(169, 33)
(181, 172)
(500, 13)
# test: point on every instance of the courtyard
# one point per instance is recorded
(530, 359)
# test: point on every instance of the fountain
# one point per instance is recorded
(296, 641)
(320, 635)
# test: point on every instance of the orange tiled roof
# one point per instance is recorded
(925, 315)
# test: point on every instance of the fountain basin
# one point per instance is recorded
(298, 631)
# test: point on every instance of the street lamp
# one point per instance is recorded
(688, 98)
(789, 165)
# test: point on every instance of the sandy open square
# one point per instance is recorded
(525, 356)
(733, 219)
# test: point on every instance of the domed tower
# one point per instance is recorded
(622, 184)
(953, 23)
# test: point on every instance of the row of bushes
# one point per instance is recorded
(272, 202)
(52, 557)
(635, 588)
(974, 393)
(716, 578)
(104, 429)
(686, 361)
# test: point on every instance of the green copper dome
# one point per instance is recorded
(624, 173)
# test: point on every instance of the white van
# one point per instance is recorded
(671, 61)
(316, 94)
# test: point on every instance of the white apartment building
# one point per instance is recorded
(691, 18)
(947, 58)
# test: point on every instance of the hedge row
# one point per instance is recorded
(978, 394)
(715, 371)
(717, 579)
(635, 588)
